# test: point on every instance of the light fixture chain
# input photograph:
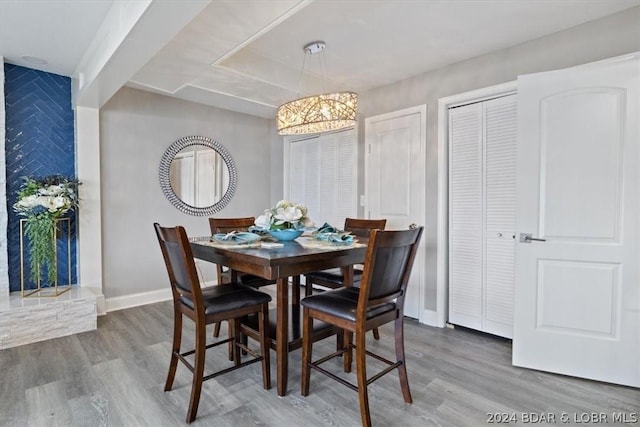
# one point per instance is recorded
(304, 60)
(323, 61)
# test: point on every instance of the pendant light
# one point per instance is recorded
(317, 113)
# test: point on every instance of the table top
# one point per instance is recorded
(300, 256)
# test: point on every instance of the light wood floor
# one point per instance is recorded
(115, 376)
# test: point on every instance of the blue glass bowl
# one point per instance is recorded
(286, 234)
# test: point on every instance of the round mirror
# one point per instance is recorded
(197, 175)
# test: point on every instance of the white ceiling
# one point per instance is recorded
(247, 55)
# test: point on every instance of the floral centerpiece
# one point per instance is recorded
(284, 215)
(285, 218)
(43, 201)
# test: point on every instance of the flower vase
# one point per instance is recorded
(62, 232)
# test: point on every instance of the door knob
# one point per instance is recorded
(413, 226)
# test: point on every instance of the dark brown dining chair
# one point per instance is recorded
(378, 300)
(227, 225)
(205, 306)
(333, 278)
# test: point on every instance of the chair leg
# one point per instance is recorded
(175, 349)
(376, 334)
(347, 343)
(198, 372)
(295, 290)
(231, 345)
(307, 342)
(234, 334)
(361, 374)
(402, 369)
(216, 329)
(265, 346)
(308, 288)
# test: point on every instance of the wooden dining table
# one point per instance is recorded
(293, 259)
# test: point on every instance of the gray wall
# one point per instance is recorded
(608, 37)
(136, 128)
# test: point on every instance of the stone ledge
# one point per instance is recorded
(32, 319)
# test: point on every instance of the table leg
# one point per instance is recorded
(295, 290)
(282, 334)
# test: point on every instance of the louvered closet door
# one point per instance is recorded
(337, 178)
(500, 214)
(482, 150)
(303, 174)
(323, 176)
(465, 216)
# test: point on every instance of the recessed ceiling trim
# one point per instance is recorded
(255, 78)
(295, 9)
(253, 101)
(138, 85)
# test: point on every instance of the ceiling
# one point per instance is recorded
(247, 55)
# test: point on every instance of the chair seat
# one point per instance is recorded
(247, 279)
(295, 326)
(230, 296)
(342, 303)
(254, 281)
(333, 275)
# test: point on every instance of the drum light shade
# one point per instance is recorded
(318, 113)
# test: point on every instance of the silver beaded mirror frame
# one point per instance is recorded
(165, 182)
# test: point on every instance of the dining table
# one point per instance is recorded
(283, 263)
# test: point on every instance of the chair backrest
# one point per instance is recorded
(226, 225)
(387, 267)
(362, 227)
(180, 264)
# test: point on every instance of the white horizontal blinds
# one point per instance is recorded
(500, 209)
(325, 176)
(465, 215)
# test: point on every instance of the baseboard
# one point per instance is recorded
(135, 300)
(142, 298)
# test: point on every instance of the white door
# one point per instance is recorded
(482, 213)
(395, 183)
(577, 294)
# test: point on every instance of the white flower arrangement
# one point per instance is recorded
(285, 215)
(43, 202)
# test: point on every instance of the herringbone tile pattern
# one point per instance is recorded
(39, 142)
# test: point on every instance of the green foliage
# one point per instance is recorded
(40, 231)
(43, 201)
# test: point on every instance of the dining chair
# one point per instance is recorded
(333, 278)
(227, 225)
(204, 306)
(378, 300)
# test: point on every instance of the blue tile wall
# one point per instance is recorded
(39, 142)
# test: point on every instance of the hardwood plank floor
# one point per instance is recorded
(114, 376)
